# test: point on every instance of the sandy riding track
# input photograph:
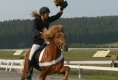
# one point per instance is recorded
(14, 75)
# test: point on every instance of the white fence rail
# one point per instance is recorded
(80, 68)
(78, 65)
(18, 64)
(91, 62)
(11, 64)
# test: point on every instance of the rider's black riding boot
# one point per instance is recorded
(29, 73)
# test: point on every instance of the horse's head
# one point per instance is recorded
(61, 40)
(56, 36)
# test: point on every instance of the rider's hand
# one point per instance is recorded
(41, 33)
(64, 5)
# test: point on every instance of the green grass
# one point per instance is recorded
(95, 75)
(9, 55)
(112, 44)
(83, 55)
(78, 56)
(107, 45)
(100, 75)
(6, 52)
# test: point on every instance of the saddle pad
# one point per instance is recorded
(41, 54)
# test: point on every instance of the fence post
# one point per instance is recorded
(22, 64)
(67, 62)
(0, 62)
(7, 62)
(112, 64)
(12, 63)
(80, 73)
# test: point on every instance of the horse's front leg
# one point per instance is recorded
(65, 70)
(43, 75)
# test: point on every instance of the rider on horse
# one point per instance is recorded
(42, 20)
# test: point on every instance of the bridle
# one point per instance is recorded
(60, 44)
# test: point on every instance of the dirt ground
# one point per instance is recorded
(15, 75)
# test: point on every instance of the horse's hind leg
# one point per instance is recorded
(65, 70)
(25, 66)
(24, 70)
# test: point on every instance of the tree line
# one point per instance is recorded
(79, 30)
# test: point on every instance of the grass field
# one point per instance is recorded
(112, 44)
(77, 56)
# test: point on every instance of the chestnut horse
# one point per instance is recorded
(51, 59)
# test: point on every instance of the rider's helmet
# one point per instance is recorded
(44, 10)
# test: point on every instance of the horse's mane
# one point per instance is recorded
(49, 33)
(35, 14)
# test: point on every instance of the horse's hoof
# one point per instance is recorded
(64, 79)
(28, 78)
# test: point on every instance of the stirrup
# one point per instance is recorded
(28, 76)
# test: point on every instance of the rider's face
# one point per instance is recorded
(46, 15)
